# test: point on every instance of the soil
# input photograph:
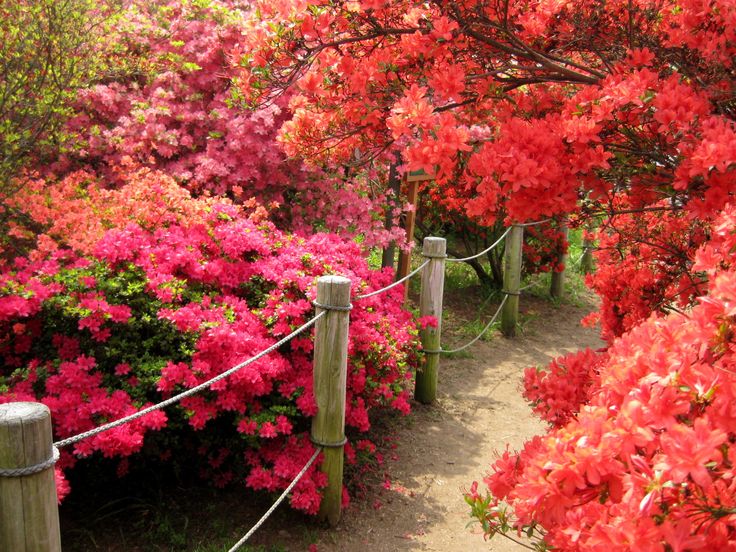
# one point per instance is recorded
(415, 500)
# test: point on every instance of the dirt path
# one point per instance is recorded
(442, 448)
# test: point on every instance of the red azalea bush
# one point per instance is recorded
(645, 265)
(647, 461)
(155, 309)
(522, 110)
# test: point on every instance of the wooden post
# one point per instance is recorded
(557, 285)
(394, 184)
(586, 263)
(29, 515)
(512, 280)
(411, 217)
(430, 304)
(330, 378)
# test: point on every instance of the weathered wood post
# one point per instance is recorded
(586, 263)
(557, 285)
(330, 378)
(412, 195)
(430, 304)
(29, 515)
(512, 280)
(412, 181)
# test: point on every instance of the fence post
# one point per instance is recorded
(29, 515)
(430, 304)
(402, 268)
(330, 378)
(557, 286)
(586, 263)
(512, 280)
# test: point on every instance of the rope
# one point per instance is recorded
(275, 504)
(585, 249)
(336, 444)
(534, 283)
(573, 262)
(188, 392)
(535, 223)
(396, 283)
(481, 334)
(452, 260)
(482, 252)
(30, 470)
(347, 308)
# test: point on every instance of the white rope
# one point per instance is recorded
(453, 260)
(572, 262)
(188, 392)
(30, 470)
(535, 223)
(532, 284)
(484, 251)
(481, 334)
(396, 283)
(275, 504)
(585, 249)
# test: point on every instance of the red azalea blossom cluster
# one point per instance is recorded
(154, 309)
(647, 459)
(558, 391)
(542, 248)
(645, 264)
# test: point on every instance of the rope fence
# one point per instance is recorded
(188, 392)
(331, 323)
(396, 283)
(586, 249)
(486, 250)
(543, 221)
(275, 505)
(481, 334)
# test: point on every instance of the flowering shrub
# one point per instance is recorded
(77, 210)
(645, 265)
(558, 391)
(173, 108)
(155, 308)
(543, 245)
(523, 110)
(645, 460)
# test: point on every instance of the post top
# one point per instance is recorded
(333, 279)
(433, 246)
(333, 291)
(23, 410)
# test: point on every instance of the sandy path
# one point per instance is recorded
(442, 448)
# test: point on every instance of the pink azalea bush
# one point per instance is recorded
(172, 106)
(101, 327)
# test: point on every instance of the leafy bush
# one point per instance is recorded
(100, 332)
(172, 106)
(641, 455)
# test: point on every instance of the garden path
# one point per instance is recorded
(441, 449)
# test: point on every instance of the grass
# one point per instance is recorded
(576, 291)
